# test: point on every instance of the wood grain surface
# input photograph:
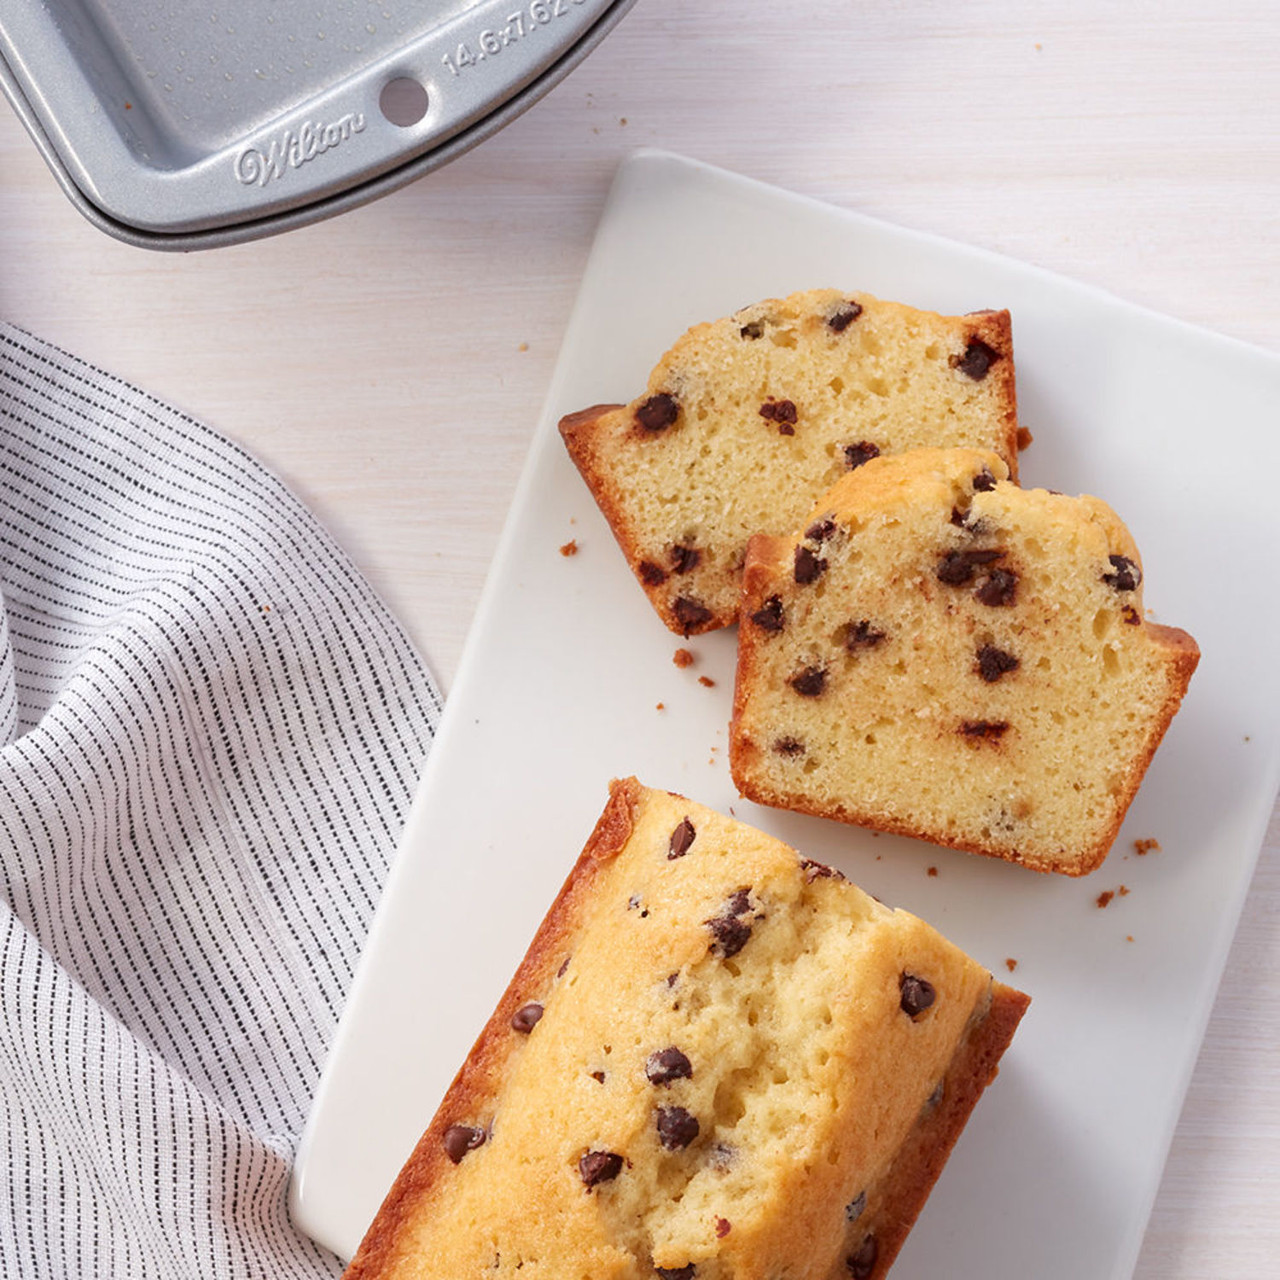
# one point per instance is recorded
(390, 364)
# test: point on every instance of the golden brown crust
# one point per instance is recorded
(921, 1158)
(472, 1093)
(575, 428)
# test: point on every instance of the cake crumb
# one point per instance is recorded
(622, 120)
(1011, 964)
(708, 681)
(1144, 847)
(1123, 891)
(1104, 898)
(570, 548)
(933, 871)
(524, 346)
(662, 706)
(1024, 439)
(682, 658)
(1128, 937)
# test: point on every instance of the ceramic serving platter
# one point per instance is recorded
(566, 667)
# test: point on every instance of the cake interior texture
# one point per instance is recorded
(747, 419)
(940, 653)
(717, 1061)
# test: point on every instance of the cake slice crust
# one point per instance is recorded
(747, 419)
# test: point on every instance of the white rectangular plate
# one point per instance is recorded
(566, 664)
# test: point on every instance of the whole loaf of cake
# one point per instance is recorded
(717, 1060)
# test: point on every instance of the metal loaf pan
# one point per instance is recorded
(181, 125)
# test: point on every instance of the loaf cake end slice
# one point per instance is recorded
(718, 1061)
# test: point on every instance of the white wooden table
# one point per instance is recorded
(390, 364)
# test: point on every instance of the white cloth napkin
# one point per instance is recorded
(210, 730)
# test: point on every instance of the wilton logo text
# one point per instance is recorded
(290, 150)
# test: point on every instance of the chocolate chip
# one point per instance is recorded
(739, 903)
(652, 575)
(667, 1065)
(788, 746)
(676, 1127)
(753, 330)
(783, 412)
(977, 359)
(461, 1138)
(658, 412)
(984, 481)
(564, 968)
(862, 1263)
(818, 871)
(994, 663)
(856, 1207)
(844, 316)
(1130, 615)
(681, 839)
(730, 933)
(958, 567)
(986, 730)
(526, 1018)
(939, 1092)
(810, 682)
(959, 518)
(808, 567)
(916, 994)
(821, 530)
(599, 1166)
(677, 1273)
(856, 454)
(862, 635)
(723, 1227)
(684, 558)
(769, 616)
(690, 613)
(1127, 575)
(999, 589)
(598, 1077)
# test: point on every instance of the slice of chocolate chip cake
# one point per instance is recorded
(717, 1061)
(748, 419)
(941, 654)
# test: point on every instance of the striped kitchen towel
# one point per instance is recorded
(210, 731)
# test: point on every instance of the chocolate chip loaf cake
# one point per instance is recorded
(941, 654)
(748, 419)
(716, 1061)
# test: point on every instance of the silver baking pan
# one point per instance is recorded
(176, 124)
